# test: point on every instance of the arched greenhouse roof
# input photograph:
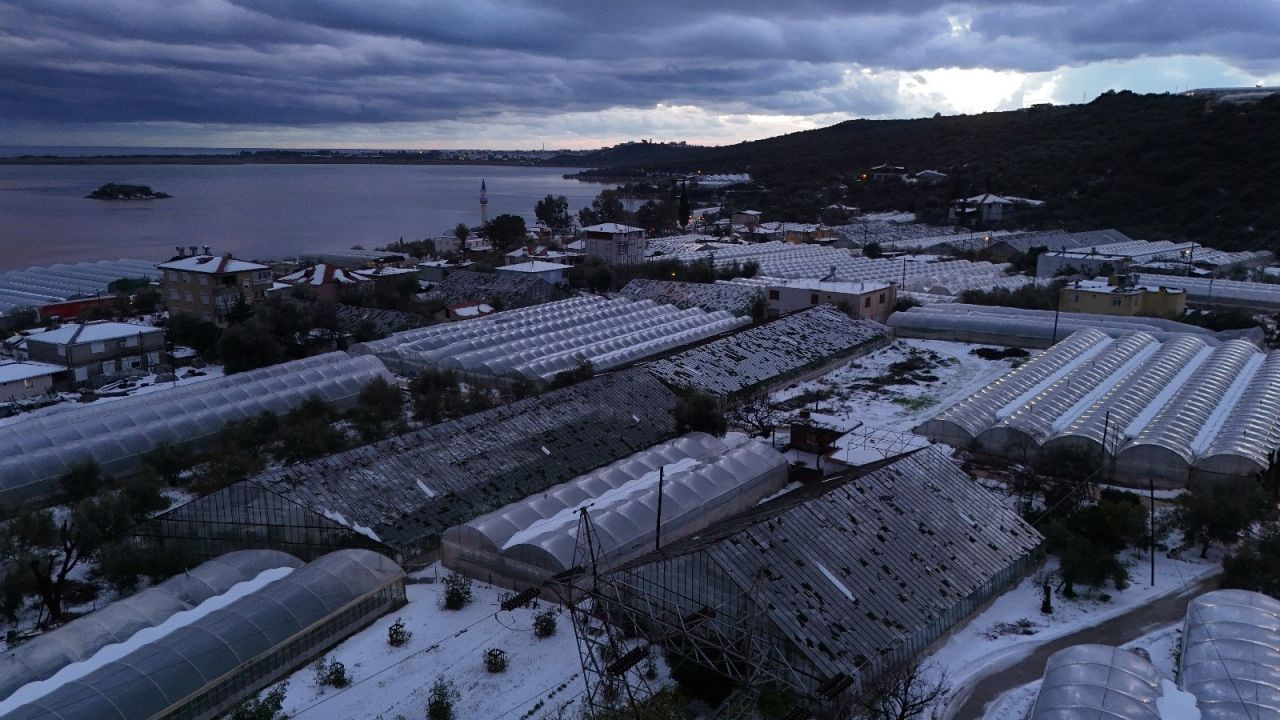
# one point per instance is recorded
(1097, 682)
(166, 672)
(79, 639)
(1231, 655)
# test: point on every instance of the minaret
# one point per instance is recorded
(484, 204)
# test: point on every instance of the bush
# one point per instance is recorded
(268, 707)
(495, 660)
(544, 623)
(331, 673)
(397, 635)
(440, 699)
(457, 591)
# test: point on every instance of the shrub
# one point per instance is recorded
(544, 623)
(440, 699)
(457, 591)
(331, 673)
(495, 660)
(267, 707)
(397, 635)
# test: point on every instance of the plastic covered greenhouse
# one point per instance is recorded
(115, 435)
(703, 481)
(1231, 655)
(1097, 682)
(541, 341)
(203, 669)
(79, 639)
(1171, 411)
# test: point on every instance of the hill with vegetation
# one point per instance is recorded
(1153, 166)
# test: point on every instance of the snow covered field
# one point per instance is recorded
(542, 675)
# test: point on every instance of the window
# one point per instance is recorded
(131, 341)
(866, 303)
(97, 348)
(881, 298)
(28, 383)
(174, 295)
(773, 294)
(813, 299)
(1115, 302)
(204, 299)
(190, 297)
(204, 280)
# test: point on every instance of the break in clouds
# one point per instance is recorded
(296, 69)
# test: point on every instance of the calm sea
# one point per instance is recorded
(254, 211)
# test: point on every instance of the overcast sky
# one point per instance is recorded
(584, 73)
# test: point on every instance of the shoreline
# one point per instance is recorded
(259, 160)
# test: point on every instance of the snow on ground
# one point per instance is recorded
(389, 681)
(36, 690)
(1012, 626)
(956, 373)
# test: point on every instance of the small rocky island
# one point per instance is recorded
(112, 191)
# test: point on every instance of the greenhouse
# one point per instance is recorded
(78, 640)
(1142, 408)
(703, 480)
(733, 298)
(205, 668)
(1097, 682)
(1215, 291)
(1231, 655)
(906, 551)
(405, 491)
(35, 286)
(117, 434)
(1036, 328)
(542, 341)
(800, 345)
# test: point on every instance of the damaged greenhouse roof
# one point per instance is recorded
(406, 490)
(770, 352)
(868, 571)
(736, 299)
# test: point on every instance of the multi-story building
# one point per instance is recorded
(1118, 296)
(210, 286)
(614, 243)
(97, 352)
(865, 300)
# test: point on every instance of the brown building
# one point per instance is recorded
(97, 352)
(614, 243)
(210, 286)
(1118, 297)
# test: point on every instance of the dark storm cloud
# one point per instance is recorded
(314, 62)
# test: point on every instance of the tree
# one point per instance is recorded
(462, 232)
(249, 345)
(440, 699)
(189, 330)
(903, 694)
(267, 707)
(606, 207)
(872, 250)
(307, 432)
(1255, 565)
(82, 481)
(1221, 512)
(684, 214)
(698, 412)
(168, 461)
(506, 231)
(755, 414)
(380, 405)
(553, 211)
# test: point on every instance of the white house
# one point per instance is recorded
(549, 271)
(23, 380)
(614, 243)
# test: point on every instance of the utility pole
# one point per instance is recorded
(1057, 305)
(1151, 486)
(657, 530)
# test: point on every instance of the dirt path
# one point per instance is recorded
(970, 701)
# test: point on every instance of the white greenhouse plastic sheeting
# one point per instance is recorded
(115, 435)
(1166, 407)
(791, 260)
(1231, 655)
(1097, 682)
(44, 656)
(167, 674)
(542, 341)
(703, 480)
(35, 286)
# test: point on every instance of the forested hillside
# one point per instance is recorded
(1154, 166)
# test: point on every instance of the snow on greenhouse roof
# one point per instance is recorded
(905, 551)
(1231, 654)
(170, 673)
(732, 298)
(514, 290)
(1098, 682)
(767, 353)
(1221, 291)
(542, 341)
(35, 452)
(408, 489)
(78, 640)
(39, 285)
(1163, 406)
(532, 266)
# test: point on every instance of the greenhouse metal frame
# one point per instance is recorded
(203, 669)
(117, 434)
(43, 656)
(1231, 655)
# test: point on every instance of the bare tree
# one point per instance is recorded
(908, 693)
(755, 414)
